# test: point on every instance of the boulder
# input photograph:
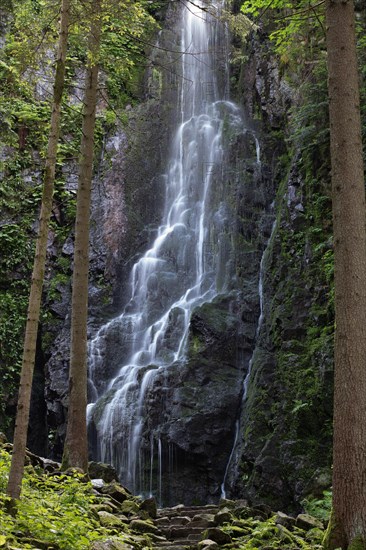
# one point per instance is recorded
(217, 535)
(97, 483)
(141, 526)
(223, 516)
(110, 545)
(109, 520)
(116, 491)
(207, 543)
(285, 520)
(129, 507)
(101, 507)
(100, 470)
(149, 506)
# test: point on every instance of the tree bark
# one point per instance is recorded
(76, 446)
(348, 524)
(30, 339)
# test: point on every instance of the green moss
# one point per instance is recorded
(357, 543)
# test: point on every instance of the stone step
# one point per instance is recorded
(176, 545)
(189, 511)
(197, 521)
(202, 523)
(183, 532)
(174, 520)
(195, 537)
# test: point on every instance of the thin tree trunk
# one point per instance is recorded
(76, 446)
(30, 340)
(349, 455)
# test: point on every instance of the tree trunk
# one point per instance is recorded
(30, 339)
(349, 456)
(76, 445)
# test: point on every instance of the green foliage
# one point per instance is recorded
(122, 50)
(255, 534)
(319, 507)
(26, 73)
(53, 509)
(296, 28)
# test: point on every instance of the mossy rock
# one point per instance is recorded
(217, 535)
(227, 503)
(357, 543)
(285, 520)
(141, 526)
(285, 535)
(40, 544)
(100, 470)
(110, 545)
(223, 516)
(236, 532)
(109, 520)
(129, 507)
(116, 491)
(95, 508)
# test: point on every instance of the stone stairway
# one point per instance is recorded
(183, 526)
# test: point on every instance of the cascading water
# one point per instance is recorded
(181, 270)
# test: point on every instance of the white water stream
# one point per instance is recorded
(179, 270)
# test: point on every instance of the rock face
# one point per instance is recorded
(197, 403)
(284, 448)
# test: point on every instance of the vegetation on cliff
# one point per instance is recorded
(287, 429)
(288, 414)
(29, 34)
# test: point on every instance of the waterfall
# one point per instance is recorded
(181, 269)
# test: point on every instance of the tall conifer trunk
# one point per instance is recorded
(30, 339)
(349, 456)
(76, 446)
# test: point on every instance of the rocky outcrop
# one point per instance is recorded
(284, 451)
(196, 403)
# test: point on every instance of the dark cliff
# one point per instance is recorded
(279, 212)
